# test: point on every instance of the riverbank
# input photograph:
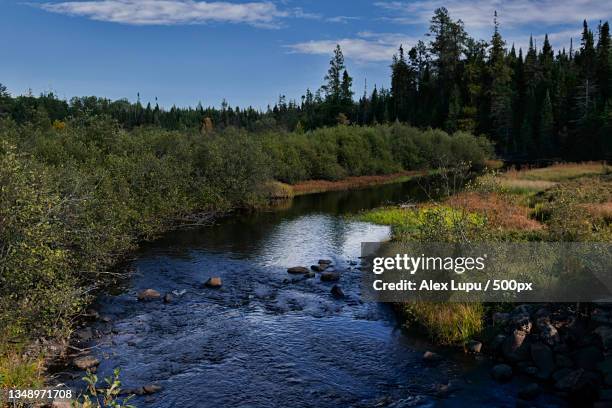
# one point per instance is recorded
(356, 182)
(557, 346)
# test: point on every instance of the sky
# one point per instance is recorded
(183, 52)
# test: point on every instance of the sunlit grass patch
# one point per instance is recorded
(447, 323)
(558, 172)
(275, 190)
(520, 186)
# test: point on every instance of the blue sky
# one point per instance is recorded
(249, 52)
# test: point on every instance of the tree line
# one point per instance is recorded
(532, 104)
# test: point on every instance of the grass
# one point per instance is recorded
(503, 211)
(20, 371)
(558, 172)
(447, 323)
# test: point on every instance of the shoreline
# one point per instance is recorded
(355, 182)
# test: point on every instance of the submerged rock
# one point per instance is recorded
(430, 356)
(529, 391)
(148, 294)
(86, 362)
(501, 372)
(330, 276)
(319, 268)
(213, 282)
(296, 270)
(337, 292)
(325, 262)
(168, 298)
(152, 388)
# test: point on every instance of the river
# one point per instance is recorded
(268, 339)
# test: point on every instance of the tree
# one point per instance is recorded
(403, 89)
(604, 64)
(546, 127)
(333, 86)
(500, 92)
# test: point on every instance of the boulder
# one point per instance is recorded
(563, 361)
(501, 372)
(548, 332)
(529, 391)
(318, 268)
(297, 270)
(213, 282)
(587, 358)
(84, 334)
(86, 362)
(581, 387)
(337, 292)
(330, 276)
(543, 358)
(515, 347)
(168, 298)
(148, 294)
(473, 346)
(325, 262)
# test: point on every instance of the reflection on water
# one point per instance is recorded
(267, 339)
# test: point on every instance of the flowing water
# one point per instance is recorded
(269, 339)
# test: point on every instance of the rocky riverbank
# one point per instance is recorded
(562, 348)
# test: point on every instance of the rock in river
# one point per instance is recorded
(213, 282)
(86, 362)
(148, 294)
(152, 388)
(502, 372)
(473, 346)
(298, 270)
(330, 276)
(529, 391)
(337, 292)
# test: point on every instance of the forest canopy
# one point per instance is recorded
(534, 103)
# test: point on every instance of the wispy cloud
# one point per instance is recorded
(479, 13)
(170, 12)
(365, 47)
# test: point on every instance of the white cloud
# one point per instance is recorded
(169, 12)
(512, 13)
(366, 47)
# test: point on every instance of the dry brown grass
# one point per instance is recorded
(601, 211)
(319, 186)
(501, 211)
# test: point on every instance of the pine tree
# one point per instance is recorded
(500, 93)
(546, 127)
(333, 86)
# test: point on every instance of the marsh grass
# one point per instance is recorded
(447, 323)
(559, 172)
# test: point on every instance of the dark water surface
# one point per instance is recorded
(264, 341)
